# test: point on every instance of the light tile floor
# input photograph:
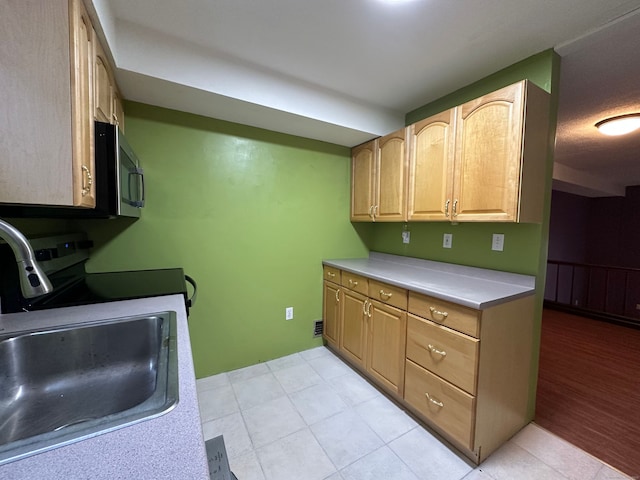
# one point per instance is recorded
(309, 416)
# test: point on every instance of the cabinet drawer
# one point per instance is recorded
(447, 407)
(463, 319)
(445, 352)
(332, 274)
(355, 282)
(388, 294)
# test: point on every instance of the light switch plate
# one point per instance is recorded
(288, 313)
(406, 237)
(497, 243)
(447, 240)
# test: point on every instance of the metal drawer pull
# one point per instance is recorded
(435, 350)
(86, 187)
(386, 295)
(331, 274)
(438, 312)
(434, 401)
(338, 295)
(352, 283)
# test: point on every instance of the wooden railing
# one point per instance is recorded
(594, 288)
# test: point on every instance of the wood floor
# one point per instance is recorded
(589, 387)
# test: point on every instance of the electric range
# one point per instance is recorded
(63, 259)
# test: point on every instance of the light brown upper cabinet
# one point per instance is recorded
(118, 110)
(46, 156)
(379, 179)
(362, 181)
(104, 85)
(483, 161)
(500, 156)
(108, 103)
(83, 42)
(431, 167)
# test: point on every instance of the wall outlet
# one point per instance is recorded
(447, 240)
(406, 237)
(497, 243)
(288, 313)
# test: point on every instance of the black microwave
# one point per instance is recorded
(119, 178)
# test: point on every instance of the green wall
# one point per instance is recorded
(248, 213)
(525, 245)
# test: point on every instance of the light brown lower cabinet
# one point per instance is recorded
(331, 313)
(368, 333)
(463, 372)
(446, 406)
(353, 341)
(386, 344)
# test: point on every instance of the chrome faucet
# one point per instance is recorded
(33, 281)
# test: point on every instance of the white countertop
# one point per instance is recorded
(170, 446)
(473, 287)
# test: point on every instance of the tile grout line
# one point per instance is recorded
(571, 445)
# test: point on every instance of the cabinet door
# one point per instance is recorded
(103, 86)
(82, 111)
(118, 111)
(431, 167)
(386, 346)
(35, 150)
(391, 178)
(331, 313)
(362, 176)
(488, 155)
(353, 338)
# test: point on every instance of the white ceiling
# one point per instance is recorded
(345, 71)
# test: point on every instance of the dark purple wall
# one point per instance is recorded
(568, 227)
(630, 242)
(601, 231)
(597, 231)
(614, 230)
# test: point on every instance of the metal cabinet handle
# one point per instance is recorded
(433, 349)
(331, 275)
(139, 203)
(369, 310)
(86, 187)
(375, 211)
(371, 214)
(364, 307)
(455, 207)
(446, 208)
(386, 296)
(337, 295)
(434, 400)
(352, 283)
(433, 311)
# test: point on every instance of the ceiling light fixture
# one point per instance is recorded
(620, 125)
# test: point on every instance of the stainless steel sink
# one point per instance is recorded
(70, 383)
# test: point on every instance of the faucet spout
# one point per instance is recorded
(33, 281)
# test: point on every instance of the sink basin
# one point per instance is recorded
(70, 383)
